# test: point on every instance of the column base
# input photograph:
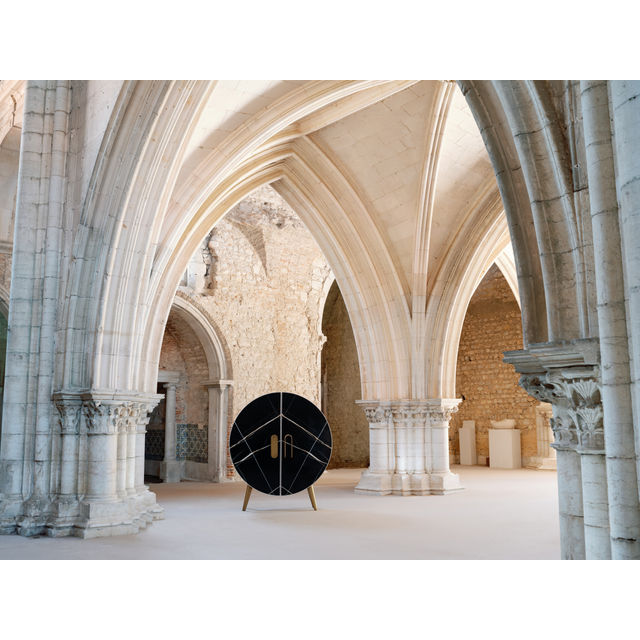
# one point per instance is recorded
(171, 471)
(65, 515)
(401, 484)
(124, 517)
(36, 515)
(443, 483)
(420, 484)
(374, 483)
(11, 508)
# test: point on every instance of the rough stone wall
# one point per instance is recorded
(5, 271)
(263, 279)
(341, 386)
(488, 387)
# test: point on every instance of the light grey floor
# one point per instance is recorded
(500, 515)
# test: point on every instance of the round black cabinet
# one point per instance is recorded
(280, 444)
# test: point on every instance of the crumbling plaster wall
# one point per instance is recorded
(488, 387)
(263, 279)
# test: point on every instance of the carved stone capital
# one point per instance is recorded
(101, 419)
(564, 434)
(108, 413)
(574, 394)
(542, 389)
(378, 413)
(441, 410)
(69, 410)
(409, 413)
(589, 427)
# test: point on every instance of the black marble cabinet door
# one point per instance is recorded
(280, 443)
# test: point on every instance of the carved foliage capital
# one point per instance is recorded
(441, 414)
(409, 414)
(377, 415)
(577, 407)
(69, 412)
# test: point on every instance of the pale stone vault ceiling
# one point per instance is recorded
(404, 166)
(385, 174)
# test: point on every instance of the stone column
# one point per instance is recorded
(122, 443)
(400, 481)
(69, 408)
(218, 437)
(586, 413)
(27, 471)
(616, 244)
(546, 458)
(102, 429)
(108, 506)
(143, 502)
(377, 478)
(581, 525)
(419, 458)
(441, 479)
(131, 430)
(171, 469)
(571, 513)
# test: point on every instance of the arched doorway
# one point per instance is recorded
(187, 433)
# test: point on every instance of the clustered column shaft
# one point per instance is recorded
(409, 447)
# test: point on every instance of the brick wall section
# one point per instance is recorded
(341, 386)
(489, 387)
(182, 352)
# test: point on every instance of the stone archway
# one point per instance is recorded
(197, 401)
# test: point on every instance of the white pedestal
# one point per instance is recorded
(504, 449)
(467, 435)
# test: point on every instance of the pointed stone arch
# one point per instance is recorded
(219, 384)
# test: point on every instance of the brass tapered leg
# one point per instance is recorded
(247, 495)
(312, 497)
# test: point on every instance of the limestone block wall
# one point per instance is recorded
(263, 280)
(488, 387)
(341, 386)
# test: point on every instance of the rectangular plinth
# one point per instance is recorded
(467, 434)
(504, 449)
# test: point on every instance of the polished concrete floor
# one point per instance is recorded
(501, 514)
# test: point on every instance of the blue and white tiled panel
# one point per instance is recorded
(192, 443)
